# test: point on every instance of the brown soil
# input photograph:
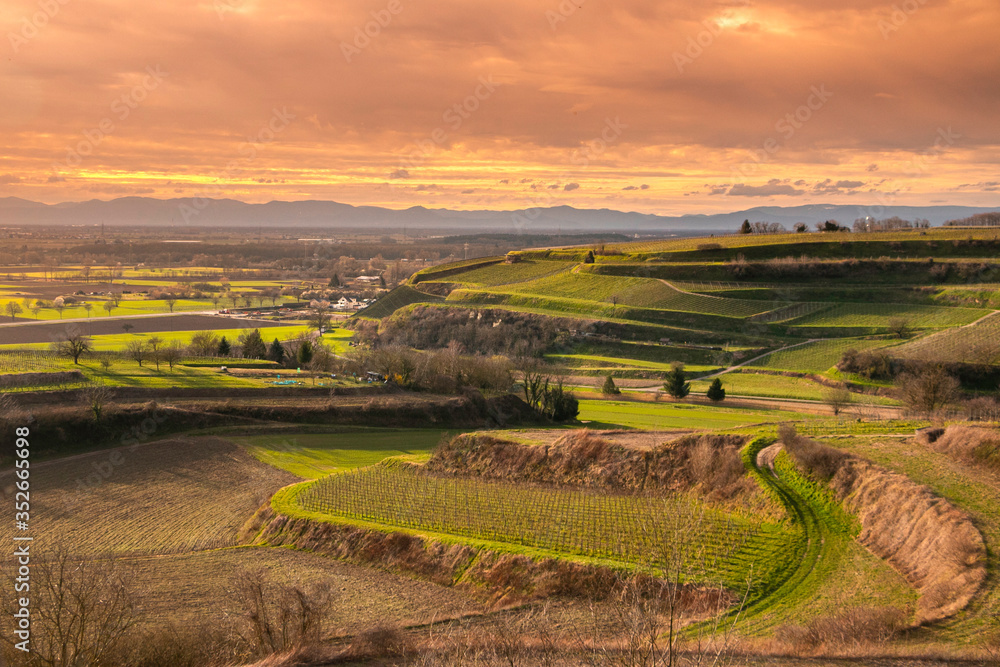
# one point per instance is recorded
(175, 495)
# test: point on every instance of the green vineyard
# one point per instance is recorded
(635, 529)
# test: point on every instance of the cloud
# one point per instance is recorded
(469, 191)
(872, 167)
(630, 187)
(828, 186)
(571, 186)
(769, 189)
(644, 186)
(399, 173)
(9, 178)
(55, 179)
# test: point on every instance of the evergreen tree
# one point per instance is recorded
(609, 388)
(745, 228)
(334, 281)
(225, 349)
(277, 351)
(676, 385)
(589, 259)
(715, 391)
(305, 354)
(254, 346)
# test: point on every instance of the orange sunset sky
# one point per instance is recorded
(663, 107)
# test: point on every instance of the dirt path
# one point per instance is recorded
(760, 356)
(678, 289)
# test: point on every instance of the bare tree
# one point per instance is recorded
(929, 390)
(136, 351)
(13, 309)
(155, 347)
(171, 301)
(72, 346)
(97, 397)
(171, 354)
(900, 326)
(837, 398)
(109, 306)
(83, 611)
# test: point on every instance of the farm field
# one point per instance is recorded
(639, 292)
(125, 307)
(402, 296)
(880, 241)
(503, 274)
(816, 357)
(313, 455)
(877, 316)
(44, 332)
(595, 525)
(99, 502)
(117, 341)
(196, 588)
(594, 363)
(775, 386)
(668, 415)
(976, 344)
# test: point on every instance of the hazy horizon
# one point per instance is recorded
(649, 107)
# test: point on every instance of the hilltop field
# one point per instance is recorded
(525, 460)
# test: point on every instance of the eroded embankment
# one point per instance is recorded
(497, 577)
(930, 541)
(710, 463)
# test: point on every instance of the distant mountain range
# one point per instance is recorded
(145, 211)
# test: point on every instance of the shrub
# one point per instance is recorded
(854, 628)
(609, 388)
(928, 391)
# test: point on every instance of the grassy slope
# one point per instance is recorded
(667, 415)
(311, 456)
(828, 570)
(974, 490)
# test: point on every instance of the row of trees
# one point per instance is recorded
(676, 385)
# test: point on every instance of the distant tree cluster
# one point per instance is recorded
(445, 371)
(762, 228)
(991, 219)
(831, 226)
(895, 223)
(483, 331)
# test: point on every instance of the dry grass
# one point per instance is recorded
(854, 631)
(978, 446)
(933, 543)
(710, 463)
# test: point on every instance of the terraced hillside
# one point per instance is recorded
(809, 298)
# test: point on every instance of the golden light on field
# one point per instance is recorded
(656, 107)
